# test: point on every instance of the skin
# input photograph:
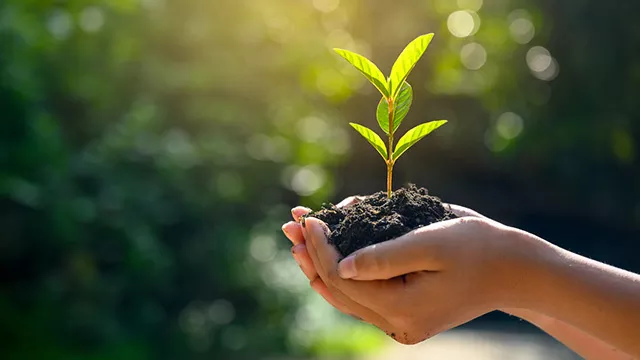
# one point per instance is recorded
(467, 267)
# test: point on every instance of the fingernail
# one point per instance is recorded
(295, 251)
(284, 229)
(347, 267)
(301, 209)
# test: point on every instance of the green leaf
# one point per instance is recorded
(402, 105)
(414, 135)
(406, 62)
(367, 68)
(372, 138)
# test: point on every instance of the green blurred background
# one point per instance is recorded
(150, 150)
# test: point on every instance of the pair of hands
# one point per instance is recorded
(422, 283)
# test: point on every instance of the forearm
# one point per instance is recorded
(582, 343)
(601, 300)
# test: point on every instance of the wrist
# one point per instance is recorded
(528, 259)
(540, 320)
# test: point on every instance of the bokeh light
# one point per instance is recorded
(340, 38)
(91, 19)
(221, 312)
(326, 5)
(473, 56)
(509, 125)
(306, 180)
(263, 147)
(522, 30)
(472, 5)
(60, 24)
(542, 64)
(624, 146)
(462, 23)
(263, 247)
(538, 59)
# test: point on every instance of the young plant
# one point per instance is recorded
(397, 96)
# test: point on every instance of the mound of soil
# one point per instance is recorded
(377, 218)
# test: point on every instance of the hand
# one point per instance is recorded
(591, 335)
(293, 230)
(454, 271)
(464, 279)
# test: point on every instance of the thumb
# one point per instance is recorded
(412, 252)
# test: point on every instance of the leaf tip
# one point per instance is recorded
(428, 36)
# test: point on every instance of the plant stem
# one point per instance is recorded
(389, 179)
(390, 150)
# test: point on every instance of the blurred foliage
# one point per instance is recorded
(141, 163)
(151, 148)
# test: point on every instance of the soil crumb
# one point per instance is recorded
(376, 218)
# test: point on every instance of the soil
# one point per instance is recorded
(376, 218)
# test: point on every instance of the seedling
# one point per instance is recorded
(397, 96)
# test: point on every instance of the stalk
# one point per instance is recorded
(389, 177)
(390, 150)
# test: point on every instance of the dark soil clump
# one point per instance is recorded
(376, 218)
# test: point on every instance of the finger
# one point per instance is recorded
(351, 200)
(321, 288)
(356, 308)
(299, 211)
(325, 258)
(417, 250)
(301, 255)
(462, 211)
(293, 231)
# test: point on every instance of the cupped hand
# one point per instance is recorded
(453, 272)
(294, 231)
